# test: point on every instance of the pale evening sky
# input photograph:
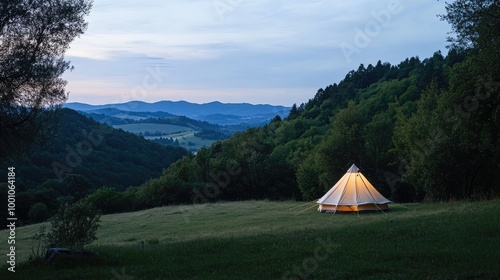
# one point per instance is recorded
(276, 52)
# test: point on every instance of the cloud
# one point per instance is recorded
(210, 45)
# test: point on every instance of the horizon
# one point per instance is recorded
(242, 52)
(177, 101)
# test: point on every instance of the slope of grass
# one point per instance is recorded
(184, 134)
(286, 240)
(153, 127)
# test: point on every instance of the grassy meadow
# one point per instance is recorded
(153, 127)
(185, 135)
(284, 240)
(187, 139)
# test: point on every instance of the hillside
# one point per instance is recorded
(112, 116)
(164, 128)
(93, 155)
(286, 240)
(108, 156)
(167, 129)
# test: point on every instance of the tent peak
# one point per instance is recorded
(353, 169)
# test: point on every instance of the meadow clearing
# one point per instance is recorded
(285, 240)
(185, 135)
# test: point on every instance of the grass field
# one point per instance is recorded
(285, 240)
(153, 127)
(185, 135)
(187, 139)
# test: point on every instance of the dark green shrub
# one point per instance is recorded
(74, 225)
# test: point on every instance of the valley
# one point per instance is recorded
(194, 125)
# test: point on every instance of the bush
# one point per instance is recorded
(38, 212)
(74, 225)
(39, 245)
(108, 200)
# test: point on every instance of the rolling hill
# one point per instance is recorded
(165, 128)
(104, 155)
(236, 113)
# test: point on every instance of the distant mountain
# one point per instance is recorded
(235, 113)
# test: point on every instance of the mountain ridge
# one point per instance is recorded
(186, 108)
(239, 114)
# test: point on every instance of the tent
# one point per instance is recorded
(352, 193)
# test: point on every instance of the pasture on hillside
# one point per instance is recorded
(187, 139)
(185, 135)
(285, 240)
(153, 127)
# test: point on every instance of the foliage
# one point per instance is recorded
(74, 225)
(308, 179)
(34, 35)
(40, 244)
(451, 143)
(476, 23)
(211, 135)
(109, 200)
(104, 156)
(77, 186)
(168, 141)
(38, 212)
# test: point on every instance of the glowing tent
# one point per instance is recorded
(352, 193)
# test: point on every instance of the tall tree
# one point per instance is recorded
(34, 35)
(476, 23)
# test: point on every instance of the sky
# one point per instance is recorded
(277, 52)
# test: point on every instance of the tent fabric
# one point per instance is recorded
(352, 193)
